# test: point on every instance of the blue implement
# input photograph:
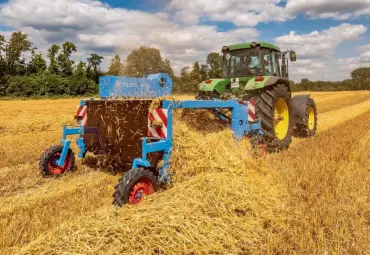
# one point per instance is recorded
(152, 86)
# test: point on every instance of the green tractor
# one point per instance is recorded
(257, 72)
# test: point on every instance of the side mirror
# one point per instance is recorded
(292, 56)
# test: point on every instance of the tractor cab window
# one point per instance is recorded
(274, 60)
(270, 62)
(243, 62)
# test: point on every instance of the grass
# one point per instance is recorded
(311, 199)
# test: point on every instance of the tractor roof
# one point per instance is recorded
(248, 45)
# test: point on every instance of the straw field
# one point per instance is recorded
(313, 198)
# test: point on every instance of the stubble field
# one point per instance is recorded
(313, 198)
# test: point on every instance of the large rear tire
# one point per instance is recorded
(274, 109)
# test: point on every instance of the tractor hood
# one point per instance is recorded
(218, 84)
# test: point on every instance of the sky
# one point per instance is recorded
(331, 38)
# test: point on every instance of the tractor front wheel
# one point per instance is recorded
(133, 186)
(48, 162)
(274, 109)
(309, 125)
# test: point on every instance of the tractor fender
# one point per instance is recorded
(252, 84)
(299, 105)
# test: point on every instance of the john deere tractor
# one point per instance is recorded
(258, 72)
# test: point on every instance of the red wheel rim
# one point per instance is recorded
(139, 190)
(53, 166)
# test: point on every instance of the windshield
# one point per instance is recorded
(247, 62)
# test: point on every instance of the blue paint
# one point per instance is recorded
(138, 162)
(71, 131)
(152, 86)
(82, 147)
(66, 145)
(67, 131)
(109, 88)
(239, 126)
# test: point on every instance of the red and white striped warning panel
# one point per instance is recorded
(251, 110)
(81, 115)
(157, 123)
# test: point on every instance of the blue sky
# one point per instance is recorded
(330, 37)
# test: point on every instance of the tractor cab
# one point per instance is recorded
(254, 59)
(249, 60)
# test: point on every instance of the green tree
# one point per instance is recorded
(204, 72)
(93, 68)
(17, 45)
(52, 53)
(214, 62)
(361, 78)
(115, 67)
(195, 77)
(2, 58)
(37, 63)
(65, 64)
(81, 69)
(146, 61)
(182, 81)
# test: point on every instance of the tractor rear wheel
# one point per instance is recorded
(274, 109)
(133, 186)
(309, 125)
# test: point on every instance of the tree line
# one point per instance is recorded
(360, 80)
(55, 73)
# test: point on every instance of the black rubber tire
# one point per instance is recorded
(44, 160)
(125, 183)
(302, 130)
(265, 105)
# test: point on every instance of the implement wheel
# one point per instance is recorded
(133, 186)
(274, 108)
(309, 125)
(48, 161)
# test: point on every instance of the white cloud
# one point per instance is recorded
(98, 28)
(364, 48)
(251, 13)
(239, 12)
(347, 61)
(315, 52)
(6, 34)
(340, 9)
(320, 44)
(365, 57)
(346, 65)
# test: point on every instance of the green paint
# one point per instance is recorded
(218, 85)
(248, 46)
(253, 84)
(247, 83)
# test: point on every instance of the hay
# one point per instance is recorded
(218, 200)
(307, 200)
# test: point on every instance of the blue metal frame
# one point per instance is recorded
(67, 143)
(239, 125)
